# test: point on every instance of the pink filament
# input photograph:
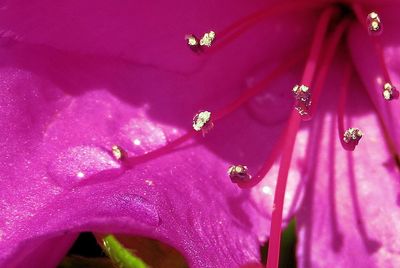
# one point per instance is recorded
(266, 165)
(256, 89)
(276, 221)
(131, 161)
(342, 103)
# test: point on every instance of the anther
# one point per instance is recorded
(303, 99)
(238, 173)
(352, 136)
(374, 23)
(118, 152)
(207, 39)
(202, 122)
(390, 92)
(193, 42)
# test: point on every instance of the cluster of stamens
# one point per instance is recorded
(303, 99)
(196, 44)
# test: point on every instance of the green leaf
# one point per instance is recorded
(120, 255)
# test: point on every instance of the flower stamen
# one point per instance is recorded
(118, 152)
(349, 138)
(294, 124)
(191, 40)
(202, 122)
(303, 99)
(238, 173)
(352, 135)
(332, 44)
(207, 39)
(303, 96)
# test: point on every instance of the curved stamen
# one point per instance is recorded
(308, 74)
(348, 138)
(228, 109)
(132, 161)
(276, 221)
(302, 106)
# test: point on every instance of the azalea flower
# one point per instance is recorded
(97, 100)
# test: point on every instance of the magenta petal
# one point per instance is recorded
(182, 199)
(349, 216)
(45, 252)
(62, 112)
(149, 34)
(59, 176)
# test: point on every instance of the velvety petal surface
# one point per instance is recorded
(64, 105)
(181, 199)
(150, 34)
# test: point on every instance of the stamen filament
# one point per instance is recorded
(342, 102)
(260, 86)
(266, 165)
(277, 210)
(132, 161)
(279, 196)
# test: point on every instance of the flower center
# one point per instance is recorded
(329, 32)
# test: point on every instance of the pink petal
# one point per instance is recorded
(62, 114)
(147, 34)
